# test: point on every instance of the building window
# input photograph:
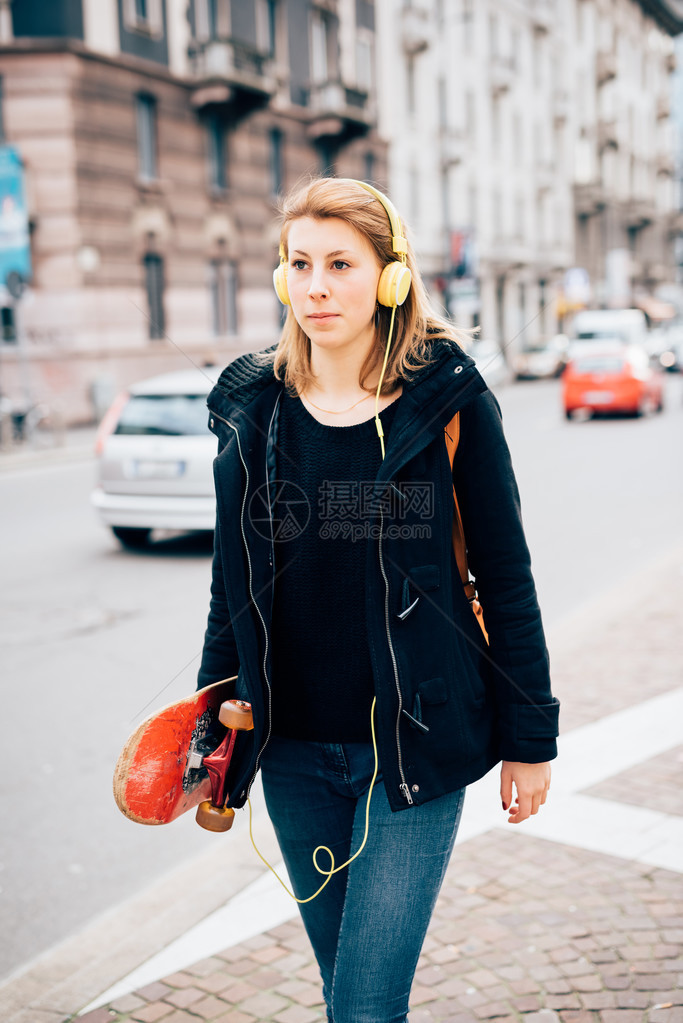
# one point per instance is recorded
(369, 166)
(442, 97)
(223, 283)
(154, 284)
(445, 198)
(471, 218)
(319, 43)
(497, 213)
(144, 16)
(410, 84)
(500, 309)
(519, 217)
(204, 20)
(327, 157)
(8, 329)
(517, 138)
(542, 305)
(468, 22)
(364, 62)
(266, 23)
(493, 35)
(470, 116)
(496, 126)
(276, 161)
(146, 109)
(521, 292)
(216, 145)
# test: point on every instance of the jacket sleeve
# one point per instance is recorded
(219, 655)
(499, 560)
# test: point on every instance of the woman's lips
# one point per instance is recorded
(322, 317)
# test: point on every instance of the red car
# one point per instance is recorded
(611, 377)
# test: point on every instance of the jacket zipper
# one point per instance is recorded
(253, 600)
(405, 791)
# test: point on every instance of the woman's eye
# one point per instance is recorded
(299, 264)
(339, 264)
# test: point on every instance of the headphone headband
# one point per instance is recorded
(398, 240)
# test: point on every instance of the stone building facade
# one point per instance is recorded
(156, 137)
(530, 139)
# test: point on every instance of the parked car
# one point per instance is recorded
(155, 458)
(628, 325)
(542, 359)
(608, 376)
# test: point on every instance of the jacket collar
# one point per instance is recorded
(431, 396)
(250, 374)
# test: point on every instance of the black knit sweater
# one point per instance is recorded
(322, 682)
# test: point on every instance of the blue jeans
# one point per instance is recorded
(368, 925)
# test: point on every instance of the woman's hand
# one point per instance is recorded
(531, 781)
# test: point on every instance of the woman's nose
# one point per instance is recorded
(318, 286)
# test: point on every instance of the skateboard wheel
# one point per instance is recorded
(236, 714)
(214, 818)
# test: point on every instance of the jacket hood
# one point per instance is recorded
(250, 374)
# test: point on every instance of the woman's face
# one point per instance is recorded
(332, 282)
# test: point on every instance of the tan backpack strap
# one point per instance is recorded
(452, 434)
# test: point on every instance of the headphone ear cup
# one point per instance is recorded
(280, 283)
(394, 284)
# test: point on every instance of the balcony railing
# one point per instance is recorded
(608, 136)
(542, 15)
(606, 66)
(414, 30)
(337, 110)
(501, 74)
(561, 105)
(453, 147)
(589, 198)
(663, 108)
(242, 72)
(639, 213)
(665, 164)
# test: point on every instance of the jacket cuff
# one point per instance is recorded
(528, 732)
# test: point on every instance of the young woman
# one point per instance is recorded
(337, 603)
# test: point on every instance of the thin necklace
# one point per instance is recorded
(336, 412)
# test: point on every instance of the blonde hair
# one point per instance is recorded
(416, 322)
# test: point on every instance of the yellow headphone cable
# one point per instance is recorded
(327, 874)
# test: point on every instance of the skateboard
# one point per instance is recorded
(178, 758)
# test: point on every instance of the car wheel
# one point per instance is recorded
(136, 538)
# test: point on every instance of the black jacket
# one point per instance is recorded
(448, 707)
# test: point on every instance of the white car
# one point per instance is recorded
(156, 458)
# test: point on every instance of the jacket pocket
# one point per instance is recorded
(471, 651)
(430, 693)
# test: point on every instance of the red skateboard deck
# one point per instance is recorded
(159, 774)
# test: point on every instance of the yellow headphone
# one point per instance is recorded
(395, 279)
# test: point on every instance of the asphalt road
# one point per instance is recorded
(94, 637)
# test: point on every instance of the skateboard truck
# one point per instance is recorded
(214, 814)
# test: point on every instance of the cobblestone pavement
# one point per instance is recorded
(526, 929)
(523, 929)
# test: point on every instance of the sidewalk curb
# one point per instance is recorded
(72, 974)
